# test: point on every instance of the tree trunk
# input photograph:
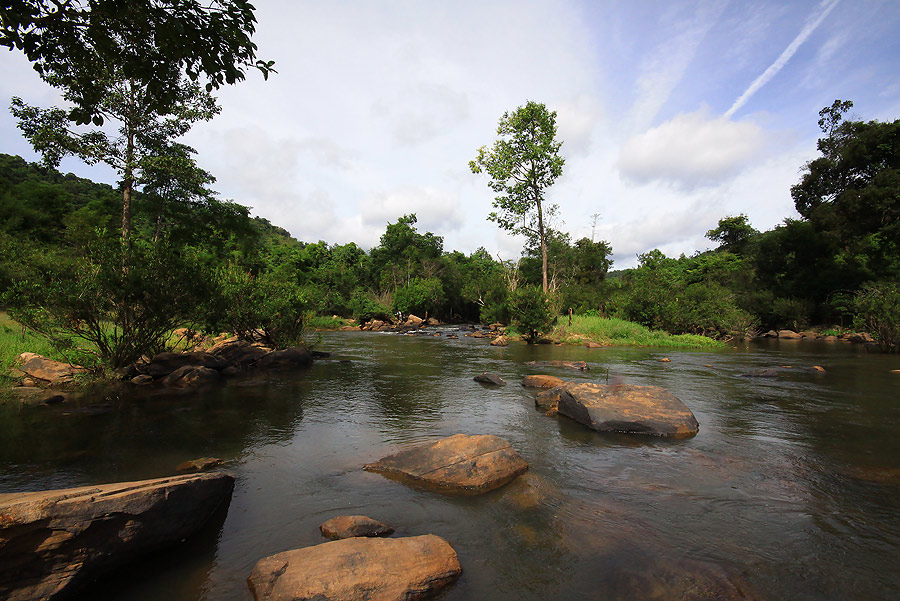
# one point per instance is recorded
(540, 213)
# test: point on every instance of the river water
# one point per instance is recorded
(789, 491)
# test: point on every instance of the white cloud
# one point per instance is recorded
(436, 210)
(691, 149)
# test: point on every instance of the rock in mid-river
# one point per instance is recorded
(628, 408)
(459, 463)
(54, 542)
(489, 378)
(374, 569)
(348, 526)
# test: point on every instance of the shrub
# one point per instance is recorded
(878, 312)
(265, 307)
(532, 312)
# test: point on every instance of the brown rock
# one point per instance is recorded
(239, 353)
(190, 376)
(166, 363)
(203, 464)
(594, 345)
(500, 341)
(494, 327)
(541, 381)
(433, 322)
(374, 569)
(808, 334)
(664, 360)
(548, 400)
(290, 357)
(478, 334)
(49, 370)
(348, 526)
(818, 368)
(414, 322)
(579, 365)
(488, 378)
(459, 463)
(628, 408)
(860, 338)
(53, 542)
(349, 328)
(788, 335)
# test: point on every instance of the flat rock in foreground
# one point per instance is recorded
(374, 569)
(628, 408)
(460, 463)
(53, 542)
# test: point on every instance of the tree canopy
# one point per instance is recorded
(521, 164)
(150, 41)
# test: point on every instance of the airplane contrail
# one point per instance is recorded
(826, 7)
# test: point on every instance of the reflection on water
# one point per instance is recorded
(788, 491)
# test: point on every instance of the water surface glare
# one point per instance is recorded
(791, 487)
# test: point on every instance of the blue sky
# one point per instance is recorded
(672, 114)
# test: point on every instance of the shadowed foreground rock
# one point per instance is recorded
(53, 542)
(374, 569)
(460, 463)
(627, 408)
(348, 526)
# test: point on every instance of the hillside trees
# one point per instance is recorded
(144, 149)
(522, 163)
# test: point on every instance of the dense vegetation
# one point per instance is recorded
(194, 260)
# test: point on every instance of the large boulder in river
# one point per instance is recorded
(191, 376)
(53, 542)
(374, 569)
(458, 463)
(627, 408)
(48, 370)
(239, 353)
(490, 378)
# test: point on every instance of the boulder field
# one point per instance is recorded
(54, 542)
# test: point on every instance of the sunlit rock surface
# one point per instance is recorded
(374, 569)
(460, 463)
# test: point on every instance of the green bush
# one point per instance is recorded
(420, 296)
(532, 312)
(878, 312)
(115, 302)
(265, 307)
(363, 308)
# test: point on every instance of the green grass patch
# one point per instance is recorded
(619, 332)
(325, 322)
(15, 340)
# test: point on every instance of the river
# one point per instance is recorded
(790, 489)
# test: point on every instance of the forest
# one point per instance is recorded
(193, 260)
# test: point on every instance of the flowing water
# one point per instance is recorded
(789, 491)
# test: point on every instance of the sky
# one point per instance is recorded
(672, 114)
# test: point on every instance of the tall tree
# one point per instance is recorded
(145, 133)
(523, 162)
(149, 41)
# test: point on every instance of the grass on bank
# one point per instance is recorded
(15, 340)
(618, 332)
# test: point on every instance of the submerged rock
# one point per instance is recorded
(374, 569)
(53, 542)
(460, 463)
(348, 526)
(627, 408)
(202, 464)
(489, 378)
(579, 365)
